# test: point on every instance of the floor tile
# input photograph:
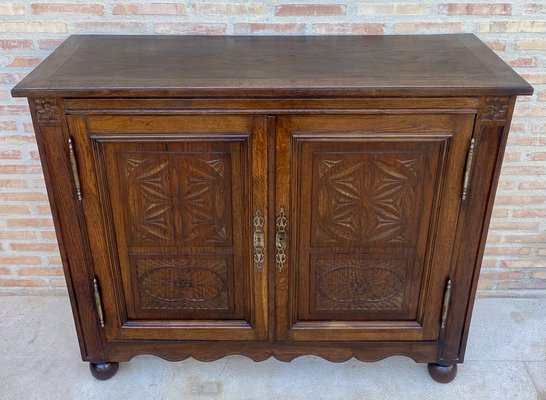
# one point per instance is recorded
(537, 371)
(308, 377)
(39, 358)
(31, 323)
(508, 329)
(67, 379)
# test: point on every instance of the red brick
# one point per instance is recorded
(191, 28)
(58, 282)
(527, 284)
(508, 170)
(28, 127)
(291, 10)
(529, 213)
(491, 238)
(229, 8)
(345, 28)
(29, 222)
(23, 196)
(14, 209)
(516, 200)
(500, 213)
(508, 251)
(524, 141)
(5, 271)
(24, 61)
(38, 183)
(10, 155)
(18, 235)
(24, 247)
(16, 44)
(517, 127)
(15, 110)
(485, 285)
(40, 272)
(514, 226)
(54, 260)
(21, 283)
(34, 154)
(43, 209)
(506, 185)
(535, 8)
(489, 262)
(20, 260)
(512, 156)
(501, 275)
(475, 9)
(48, 235)
(17, 139)
(10, 78)
(532, 185)
(20, 169)
(67, 8)
(8, 126)
(496, 45)
(525, 238)
(114, 27)
(538, 263)
(429, 27)
(538, 156)
(534, 78)
(538, 275)
(149, 9)
(524, 62)
(33, 27)
(261, 28)
(531, 111)
(13, 183)
(49, 44)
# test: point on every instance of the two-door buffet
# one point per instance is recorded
(272, 196)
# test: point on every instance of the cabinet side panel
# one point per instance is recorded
(52, 139)
(490, 133)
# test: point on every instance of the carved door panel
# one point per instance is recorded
(169, 203)
(371, 205)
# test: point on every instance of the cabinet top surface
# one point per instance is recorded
(269, 66)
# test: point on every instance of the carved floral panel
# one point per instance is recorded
(47, 110)
(358, 283)
(183, 283)
(178, 198)
(365, 197)
(495, 109)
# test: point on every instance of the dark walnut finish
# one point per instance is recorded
(272, 196)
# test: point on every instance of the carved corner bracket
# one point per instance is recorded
(495, 109)
(47, 110)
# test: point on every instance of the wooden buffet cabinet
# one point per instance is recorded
(272, 196)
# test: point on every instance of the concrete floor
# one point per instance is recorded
(39, 359)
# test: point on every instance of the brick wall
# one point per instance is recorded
(515, 262)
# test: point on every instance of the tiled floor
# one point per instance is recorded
(39, 359)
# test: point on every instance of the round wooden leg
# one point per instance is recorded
(442, 373)
(103, 371)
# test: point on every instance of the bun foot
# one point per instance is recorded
(103, 371)
(442, 373)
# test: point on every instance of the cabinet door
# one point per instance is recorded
(371, 205)
(169, 204)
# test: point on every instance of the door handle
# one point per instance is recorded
(258, 239)
(280, 239)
